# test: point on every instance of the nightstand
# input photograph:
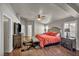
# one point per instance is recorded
(69, 43)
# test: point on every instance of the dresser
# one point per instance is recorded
(69, 43)
(17, 41)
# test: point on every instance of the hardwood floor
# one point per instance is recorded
(47, 51)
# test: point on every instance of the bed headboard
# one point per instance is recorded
(54, 29)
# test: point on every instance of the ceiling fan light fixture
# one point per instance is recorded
(38, 19)
(38, 16)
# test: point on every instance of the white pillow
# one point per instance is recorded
(58, 35)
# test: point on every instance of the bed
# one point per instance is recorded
(50, 37)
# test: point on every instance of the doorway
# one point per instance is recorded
(29, 30)
(7, 31)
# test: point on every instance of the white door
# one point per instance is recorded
(7, 31)
(29, 30)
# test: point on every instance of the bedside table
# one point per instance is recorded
(69, 43)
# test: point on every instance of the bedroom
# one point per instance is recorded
(34, 24)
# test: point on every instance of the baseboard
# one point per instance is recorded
(77, 49)
(8, 51)
(1, 53)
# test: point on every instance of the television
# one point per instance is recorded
(17, 28)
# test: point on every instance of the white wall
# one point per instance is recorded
(1, 37)
(7, 33)
(8, 11)
(31, 23)
(60, 24)
(77, 34)
(23, 27)
(38, 28)
(25, 24)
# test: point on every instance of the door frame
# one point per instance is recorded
(5, 15)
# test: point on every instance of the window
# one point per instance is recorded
(72, 29)
(66, 26)
(23, 30)
(46, 28)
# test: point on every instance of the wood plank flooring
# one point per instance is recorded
(47, 51)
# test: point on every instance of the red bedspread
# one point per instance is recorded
(46, 39)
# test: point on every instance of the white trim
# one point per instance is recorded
(9, 51)
(2, 38)
(77, 48)
(10, 35)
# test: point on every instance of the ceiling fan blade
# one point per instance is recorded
(38, 16)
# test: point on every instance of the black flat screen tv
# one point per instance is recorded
(17, 28)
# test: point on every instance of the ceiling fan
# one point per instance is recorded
(39, 17)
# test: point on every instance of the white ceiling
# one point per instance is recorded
(50, 10)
